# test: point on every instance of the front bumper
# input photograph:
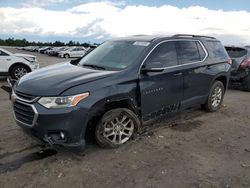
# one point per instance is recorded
(64, 126)
(34, 66)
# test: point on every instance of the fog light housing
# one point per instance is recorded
(62, 135)
(56, 137)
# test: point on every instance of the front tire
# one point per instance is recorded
(116, 127)
(215, 98)
(18, 71)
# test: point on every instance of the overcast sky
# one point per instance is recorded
(97, 21)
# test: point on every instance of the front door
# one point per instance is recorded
(4, 60)
(161, 92)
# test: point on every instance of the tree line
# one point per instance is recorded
(24, 42)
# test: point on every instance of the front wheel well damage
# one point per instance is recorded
(97, 113)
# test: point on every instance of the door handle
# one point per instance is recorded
(178, 74)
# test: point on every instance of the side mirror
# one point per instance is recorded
(153, 67)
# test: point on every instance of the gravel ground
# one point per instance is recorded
(190, 149)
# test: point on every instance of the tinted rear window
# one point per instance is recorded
(190, 51)
(216, 50)
(236, 52)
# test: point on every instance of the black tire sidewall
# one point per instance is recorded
(208, 106)
(12, 72)
(109, 115)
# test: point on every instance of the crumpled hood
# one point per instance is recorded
(53, 80)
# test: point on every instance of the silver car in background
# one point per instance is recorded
(73, 52)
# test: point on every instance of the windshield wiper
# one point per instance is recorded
(94, 66)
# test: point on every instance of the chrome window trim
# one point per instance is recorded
(35, 116)
(174, 40)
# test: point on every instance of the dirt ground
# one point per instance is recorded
(191, 149)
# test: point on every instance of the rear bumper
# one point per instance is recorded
(239, 75)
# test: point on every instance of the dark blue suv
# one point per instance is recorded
(119, 86)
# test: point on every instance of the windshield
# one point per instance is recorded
(114, 55)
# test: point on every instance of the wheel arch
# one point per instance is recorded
(98, 110)
(16, 64)
(223, 78)
(66, 54)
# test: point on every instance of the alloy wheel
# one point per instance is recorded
(19, 72)
(216, 97)
(119, 130)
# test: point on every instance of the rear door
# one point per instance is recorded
(81, 52)
(161, 92)
(73, 52)
(78, 52)
(196, 80)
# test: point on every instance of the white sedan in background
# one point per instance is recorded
(16, 65)
(73, 52)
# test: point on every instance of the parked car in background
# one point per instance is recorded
(48, 49)
(51, 50)
(55, 52)
(91, 47)
(119, 86)
(16, 65)
(73, 52)
(240, 72)
(35, 49)
(43, 49)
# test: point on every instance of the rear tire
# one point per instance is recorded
(116, 127)
(66, 56)
(18, 71)
(215, 97)
(246, 83)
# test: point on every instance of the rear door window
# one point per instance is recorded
(164, 53)
(190, 51)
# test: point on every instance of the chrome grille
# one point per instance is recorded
(25, 96)
(24, 113)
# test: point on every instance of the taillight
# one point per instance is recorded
(230, 61)
(245, 63)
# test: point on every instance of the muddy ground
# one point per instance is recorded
(190, 149)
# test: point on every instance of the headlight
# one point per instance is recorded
(31, 60)
(62, 102)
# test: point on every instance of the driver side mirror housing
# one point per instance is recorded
(153, 67)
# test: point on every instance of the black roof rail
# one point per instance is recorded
(187, 35)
